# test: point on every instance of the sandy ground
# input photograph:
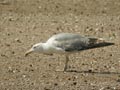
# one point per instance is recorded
(26, 22)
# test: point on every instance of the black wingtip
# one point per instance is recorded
(99, 45)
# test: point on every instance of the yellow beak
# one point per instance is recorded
(28, 52)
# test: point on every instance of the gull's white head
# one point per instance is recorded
(35, 48)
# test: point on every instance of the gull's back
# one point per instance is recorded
(70, 42)
(65, 37)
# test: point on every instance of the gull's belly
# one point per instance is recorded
(52, 50)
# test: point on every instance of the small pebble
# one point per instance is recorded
(107, 87)
(90, 70)
(85, 81)
(8, 34)
(17, 40)
(110, 54)
(74, 83)
(55, 84)
(89, 29)
(23, 76)
(46, 88)
(13, 52)
(10, 69)
(14, 71)
(118, 80)
(7, 44)
(49, 65)
(20, 31)
(69, 78)
(3, 55)
(31, 65)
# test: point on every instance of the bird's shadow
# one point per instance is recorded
(98, 45)
(94, 72)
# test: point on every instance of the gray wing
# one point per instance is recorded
(73, 44)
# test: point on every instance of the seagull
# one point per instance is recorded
(65, 44)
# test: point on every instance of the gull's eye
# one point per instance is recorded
(34, 47)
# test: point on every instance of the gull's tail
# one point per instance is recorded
(97, 43)
(94, 41)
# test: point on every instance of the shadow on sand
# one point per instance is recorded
(92, 72)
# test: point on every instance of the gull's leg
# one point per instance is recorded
(66, 62)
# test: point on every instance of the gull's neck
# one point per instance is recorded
(44, 46)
